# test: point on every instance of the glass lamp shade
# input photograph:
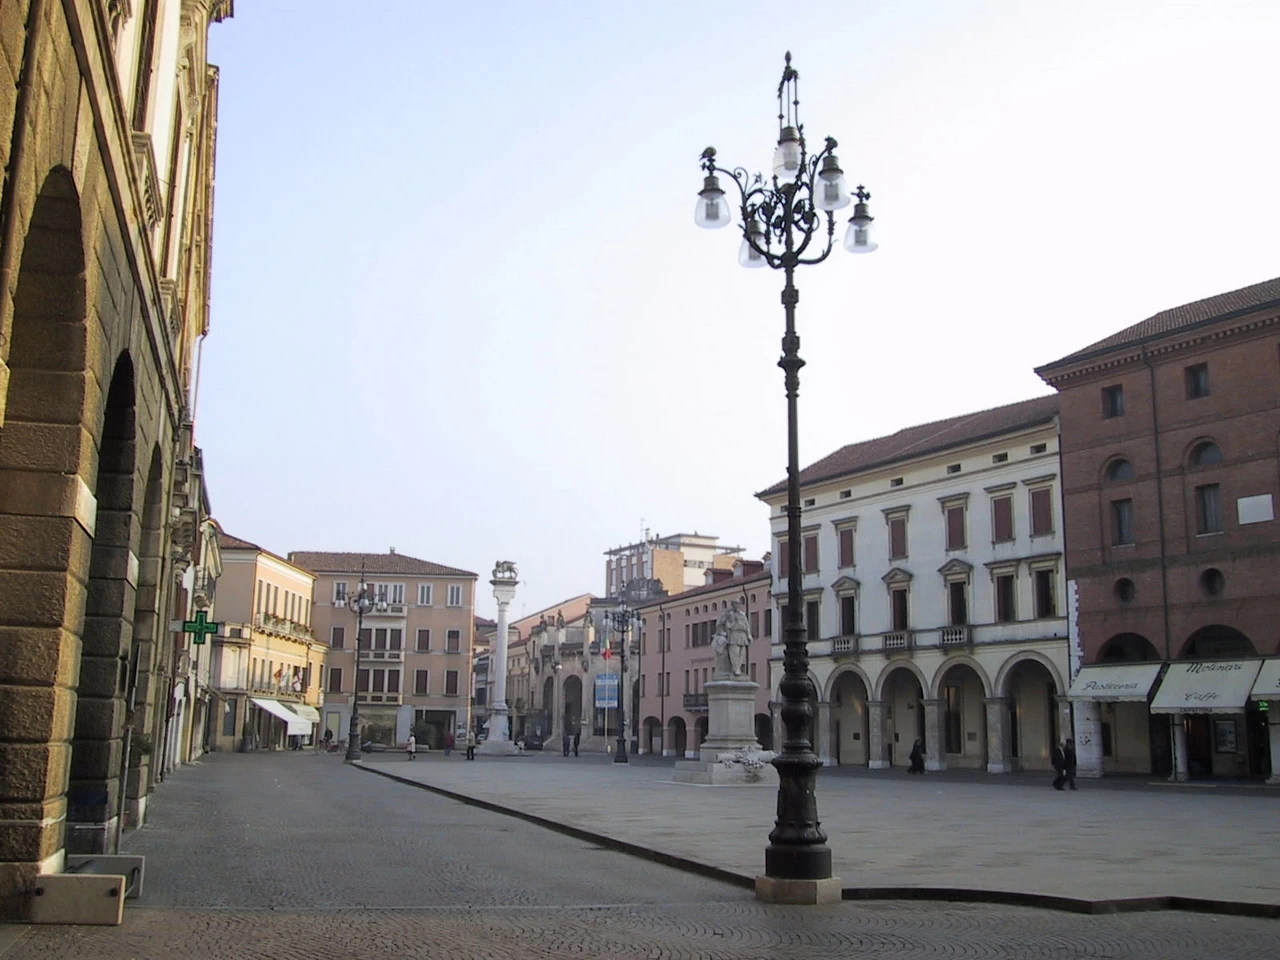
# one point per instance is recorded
(786, 158)
(712, 211)
(857, 239)
(748, 256)
(830, 192)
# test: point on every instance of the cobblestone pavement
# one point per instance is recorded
(895, 830)
(287, 856)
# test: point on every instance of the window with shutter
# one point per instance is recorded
(846, 547)
(812, 618)
(393, 681)
(424, 640)
(898, 538)
(362, 681)
(420, 682)
(1002, 519)
(848, 612)
(899, 604)
(1041, 512)
(955, 528)
(335, 679)
(811, 554)
(337, 637)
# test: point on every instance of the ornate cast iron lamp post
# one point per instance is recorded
(780, 218)
(621, 620)
(361, 602)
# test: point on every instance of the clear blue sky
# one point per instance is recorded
(460, 306)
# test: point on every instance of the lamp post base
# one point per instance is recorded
(801, 892)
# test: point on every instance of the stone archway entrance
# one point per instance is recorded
(573, 706)
(903, 700)
(850, 728)
(677, 737)
(652, 736)
(1031, 701)
(962, 717)
(764, 731)
(548, 708)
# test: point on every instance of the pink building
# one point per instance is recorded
(676, 659)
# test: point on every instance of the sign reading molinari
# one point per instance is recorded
(1228, 667)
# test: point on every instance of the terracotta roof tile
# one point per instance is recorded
(924, 439)
(227, 542)
(321, 561)
(676, 599)
(1218, 307)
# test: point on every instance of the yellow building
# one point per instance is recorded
(267, 662)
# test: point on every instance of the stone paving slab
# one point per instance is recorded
(909, 832)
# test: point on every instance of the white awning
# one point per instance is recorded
(298, 727)
(1206, 686)
(306, 712)
(1267, 686)
(1114, 682)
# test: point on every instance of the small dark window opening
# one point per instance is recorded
(1112, 402)
(1197, 381)
(1125, 590)
(1213, 581)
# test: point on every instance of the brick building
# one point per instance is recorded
(1169, 461)
(107, 129)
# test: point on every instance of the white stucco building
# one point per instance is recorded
(935, 593)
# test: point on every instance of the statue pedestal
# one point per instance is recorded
(730, 754)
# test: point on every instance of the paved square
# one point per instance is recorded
(1102, 842)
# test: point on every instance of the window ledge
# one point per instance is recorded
(1211, 533)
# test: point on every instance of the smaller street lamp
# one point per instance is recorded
(361, 602)
(621, 621)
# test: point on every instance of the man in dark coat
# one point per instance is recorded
(1069, 762)
(1059, 760)
(917, 758)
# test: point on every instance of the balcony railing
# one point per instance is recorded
(844, 644)
(900, 641)
(385, 608)
(695, 701)
(270, 623)
(379, 697)
(395, 656)
(955, 636)
(277, 691)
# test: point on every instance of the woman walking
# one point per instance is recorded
(917, 758)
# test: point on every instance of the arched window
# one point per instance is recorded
(1206, 454)
(1118, 470)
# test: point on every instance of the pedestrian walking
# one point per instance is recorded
(411, 748)
(564, 743)
(917, 758)
(577, 736)
(1069, 762)
(328, 740)
(448, 743)
(471, 744)
(1059, 760)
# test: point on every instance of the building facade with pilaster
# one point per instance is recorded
(108, 122)
(675, 658)
(935, 593)
(267, 662)
(410, 666)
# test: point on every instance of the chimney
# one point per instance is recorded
(393, 551)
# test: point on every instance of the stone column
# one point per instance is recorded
(1181, 770)
(557, 693)
(1064, 722)
(822, 733)
(1273, 728)
(877, 711)
(933, 756)
(1088, 739)
(998, 746)
(504, 591)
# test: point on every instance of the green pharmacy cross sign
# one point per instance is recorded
(201, 627)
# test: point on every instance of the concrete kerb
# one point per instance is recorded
(612, 843)
(1013, 898)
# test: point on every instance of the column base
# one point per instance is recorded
(878, 765)
(801, 892)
